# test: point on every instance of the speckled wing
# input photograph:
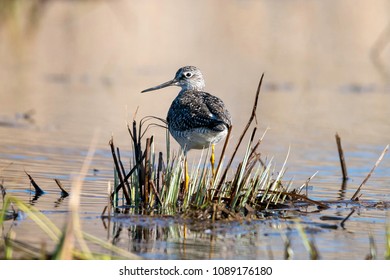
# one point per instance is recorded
(197, 109)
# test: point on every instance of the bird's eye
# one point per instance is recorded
(188, 74)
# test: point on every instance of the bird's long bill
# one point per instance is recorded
(167, 84)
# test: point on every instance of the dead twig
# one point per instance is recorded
(302, 197)
(155, 191)
(3, 192)
(346, 218)
(126, 181)
(223, 151)
(354, 197)
(119, 172)
(341, 156)
(306, 184)
(135, 167)
(38, 190)
(64, 193)
(253, 115)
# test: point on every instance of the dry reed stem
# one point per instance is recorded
(146, 173)
(155, 191)
(119, 172)
(354, 197)
(305, 198)
(252, 116)
(341, 156)
(125, 179)
(306, 184)
(223, 151)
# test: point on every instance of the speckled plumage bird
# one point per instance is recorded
(196, 119)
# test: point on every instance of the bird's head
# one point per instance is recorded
(187, 77)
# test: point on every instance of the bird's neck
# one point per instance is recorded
(192, 87)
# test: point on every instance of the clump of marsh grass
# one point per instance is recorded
(154, 183)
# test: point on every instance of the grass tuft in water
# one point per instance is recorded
(154, 183)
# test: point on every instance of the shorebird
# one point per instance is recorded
(196, 119)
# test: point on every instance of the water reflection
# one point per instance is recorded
(343, 189)
(279, 238)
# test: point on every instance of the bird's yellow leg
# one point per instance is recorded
(212, 160)
(186, 176)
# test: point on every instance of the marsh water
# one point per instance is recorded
(73, 70)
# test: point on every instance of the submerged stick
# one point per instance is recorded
(253, 115)
(38, 190)
(354, 197)
(64, 193)
(2, 190)
(341, 156)
(346, 218)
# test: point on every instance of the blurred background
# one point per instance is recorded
(69, 67)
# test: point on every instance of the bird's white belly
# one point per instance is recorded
(198, 138)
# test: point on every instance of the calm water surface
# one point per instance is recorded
(82, 67)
